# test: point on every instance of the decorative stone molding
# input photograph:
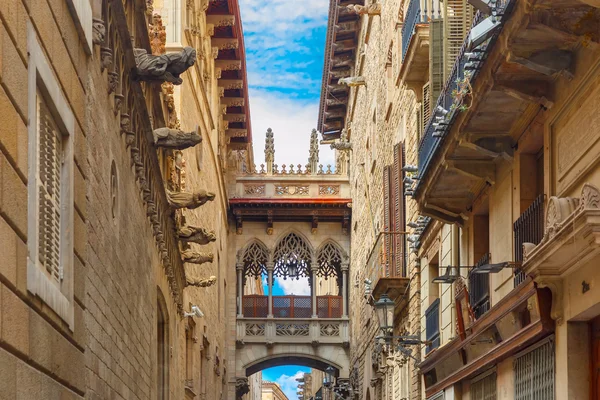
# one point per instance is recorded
(556, 287)
(175, 138)
(329, 190)
(189, 200)
(163, 68)
(196, 235)
(258, 190)
(292, 190)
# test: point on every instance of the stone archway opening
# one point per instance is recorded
(299, 360)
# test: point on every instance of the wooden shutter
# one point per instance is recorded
(437, 74)
(458, 17)
(398, 204)
(387, 212)
(49, 190)
(425, 107)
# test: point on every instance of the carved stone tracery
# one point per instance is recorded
(255, 258)
(292, 253)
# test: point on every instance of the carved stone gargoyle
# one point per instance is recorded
(203, 282)
(352, 81)
(342, 143)
(369, 9)
(196, 235)
(241, 387)
(175, 139)
(98, 31)
(189, 200)
(163, 68)
(194, 257)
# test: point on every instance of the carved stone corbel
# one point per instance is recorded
(189, 200)
(203, 282)
(193, 257)
(556, 287)
(113, 82)
(196, 235)
(352, 81)
(106, 58)
(98, 31)
(175, 138)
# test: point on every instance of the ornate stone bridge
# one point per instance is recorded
(292, 226)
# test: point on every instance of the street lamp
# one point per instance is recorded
(385, 313)
(328, 379)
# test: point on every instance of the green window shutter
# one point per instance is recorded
(437, 74)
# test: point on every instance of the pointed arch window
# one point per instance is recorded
(329, 260)
(255, 259)
(292, 258)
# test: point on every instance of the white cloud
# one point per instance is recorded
(292, 121)
(298, 287)
(289, 385)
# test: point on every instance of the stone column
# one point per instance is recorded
(344, 290)
(313, 291)
(240, 270)
(270, 266)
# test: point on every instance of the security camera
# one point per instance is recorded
(196, 312)
(368, 281)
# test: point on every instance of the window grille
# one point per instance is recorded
(484, 388)
(534, 373)
(50, 167)
(426, 106)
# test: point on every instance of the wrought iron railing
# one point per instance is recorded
(257, 306)
(432, 325)
(479, 289)
(413, 17)
(431, 143)
(529, 228)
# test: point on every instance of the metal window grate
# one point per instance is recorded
(485, 388)
(534, 374)
(50, 169)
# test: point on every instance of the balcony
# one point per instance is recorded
(479, 289)
(287, 330)
(257, 306)
(386, 268)
(415, 47)
(529, 228)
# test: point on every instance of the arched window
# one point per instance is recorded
(255, 258)
(292, 257)
(329, 260)
(162, 348)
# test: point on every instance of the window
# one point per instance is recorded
(81, 10)
(171, 14)
(534, 373)
(50, 187)
(432, 325)
(484, 387)
(162, 348)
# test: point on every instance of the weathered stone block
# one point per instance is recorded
(15, 321)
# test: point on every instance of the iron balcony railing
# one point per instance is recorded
(432, 326)
(479, 289)
(387, 258)
(431, 143)
(413, 17)
(257, 306)
(529, 228)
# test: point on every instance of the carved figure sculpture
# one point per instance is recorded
(165, 67)
(352, 81)
(175, 138)
(189, 200)
(197, 258)
(196, 235)
(98, 31)
(369, 9)
(241, 387)
(342, 143)
(203, 282)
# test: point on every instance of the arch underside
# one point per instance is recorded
(301, 360)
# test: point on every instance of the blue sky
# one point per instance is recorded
(285, 43)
